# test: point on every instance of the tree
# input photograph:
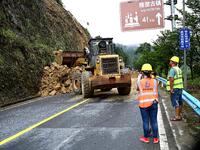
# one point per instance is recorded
(167, 45)
(143, 54)
(192, 21)
(143, 48)
(120, 51)
(159, 53)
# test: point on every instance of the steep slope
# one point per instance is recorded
(29, 32)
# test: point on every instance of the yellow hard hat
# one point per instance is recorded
(146, 67)
(175, 59)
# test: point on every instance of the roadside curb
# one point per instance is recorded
(180, 129)
(19, 101)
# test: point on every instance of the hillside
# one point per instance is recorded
(127, 52)
(29, 32)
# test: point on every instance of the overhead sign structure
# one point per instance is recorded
(184, 38)
(141, 14)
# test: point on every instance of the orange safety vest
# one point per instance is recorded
(148, 92)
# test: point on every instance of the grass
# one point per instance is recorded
(192, 118)
(8, 34)
(193, 87)
(2, 15)
(18, 55)
(195, 82)
(1, 60)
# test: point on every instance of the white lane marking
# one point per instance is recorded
(162, 133)
(168, 118)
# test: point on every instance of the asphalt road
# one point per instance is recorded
(106, 122)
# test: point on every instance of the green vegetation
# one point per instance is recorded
(195, 82)
(127, 53)
(29, 32)
(8, 34)
(119, 50)
(167, 45)
(159, 53)
(1, 60)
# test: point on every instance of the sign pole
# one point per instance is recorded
(173, 15)
(185, 54)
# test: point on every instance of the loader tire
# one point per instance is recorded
(124, 90)
(76, 82)
(87, 90)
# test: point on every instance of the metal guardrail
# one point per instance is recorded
(193, 102)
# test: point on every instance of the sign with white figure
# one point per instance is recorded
(131, 20)
(141, 14)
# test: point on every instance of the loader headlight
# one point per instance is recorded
(120, 60)
(97, 61)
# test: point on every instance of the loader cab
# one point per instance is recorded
(101, 46)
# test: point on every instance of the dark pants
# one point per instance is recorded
(176, 98)
(149, 115)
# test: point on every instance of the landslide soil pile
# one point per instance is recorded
(57, 79)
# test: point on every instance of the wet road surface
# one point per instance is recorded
(105, 122)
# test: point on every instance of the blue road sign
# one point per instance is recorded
(184, 38)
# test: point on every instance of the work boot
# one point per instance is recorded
(178, 112)
(155, 140)
(145, 140)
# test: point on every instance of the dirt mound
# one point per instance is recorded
(57, 79)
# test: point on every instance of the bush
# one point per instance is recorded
(1, 60)
(8, 34)
(195, 82)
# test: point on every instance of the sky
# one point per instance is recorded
(102, 18)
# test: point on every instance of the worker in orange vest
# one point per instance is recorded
(148, 103)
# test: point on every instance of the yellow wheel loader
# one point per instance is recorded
(105, 70)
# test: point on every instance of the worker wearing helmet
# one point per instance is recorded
(175, 86)
(148, 103)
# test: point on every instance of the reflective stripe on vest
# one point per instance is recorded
(146, 100)
(178, 79)
(148, 92)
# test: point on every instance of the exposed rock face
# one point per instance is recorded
(29, 31)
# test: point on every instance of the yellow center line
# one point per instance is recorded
(39, 123)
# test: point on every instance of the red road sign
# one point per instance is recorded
(141, 14)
